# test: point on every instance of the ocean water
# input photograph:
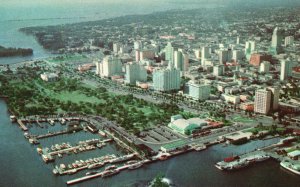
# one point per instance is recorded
(21, 166)
(15, 14)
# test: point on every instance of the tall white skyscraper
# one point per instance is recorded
(169, 55)
(274, 97)
(181, 60)
(262, 102)
(134, 73)
(116, 47)
(286, 69)
(166, 79)
(237, 55)
(276, 38)
(198, 91)
(110, 66)
(250, 48)
(204, 55)
(276, 41)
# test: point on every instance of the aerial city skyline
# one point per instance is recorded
(160, 93)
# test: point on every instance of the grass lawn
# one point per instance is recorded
(242, 119)
(76, 97)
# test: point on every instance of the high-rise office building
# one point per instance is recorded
(166, 79)
(110, 66)
(264, 67)
(262, 102)
(289, 40)
(137, 45)
(225, 55)
(237, 55)
(169, 55)
(274, 104)
(134, 73)
(286, 69)
(257, 58)
(205, 54)
(277, 37)
(218, 70)
(116, 47)
(181, 60)
(250, 48)
(198, 91)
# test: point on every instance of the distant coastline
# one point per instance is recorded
(12, 52)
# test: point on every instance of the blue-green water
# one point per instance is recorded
(14, 16)
(22, 166)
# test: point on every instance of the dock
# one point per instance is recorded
(22, 125)
(81, 179)
(39, 124)
(51, 134)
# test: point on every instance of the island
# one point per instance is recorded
(9, 52)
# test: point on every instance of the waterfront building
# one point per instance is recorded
(288, 41)
(110, 66)
(186, 127)
(264, 67)
(166, 79)
(262, 101)
(205, 55)
(134, 73)
(286, 69)
(198, 91)
(277, 37)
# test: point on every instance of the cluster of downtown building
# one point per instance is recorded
(244, 72)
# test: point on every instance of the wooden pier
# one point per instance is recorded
(22, 125)
(51, 134)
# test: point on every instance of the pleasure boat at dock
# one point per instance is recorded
(135, 165)
(122, 158)
(110, 173)
(96, 165)
(92, 173)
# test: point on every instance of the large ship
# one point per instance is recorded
(237, 164)
(295, 168)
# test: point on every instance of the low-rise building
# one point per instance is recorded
(186, 127)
